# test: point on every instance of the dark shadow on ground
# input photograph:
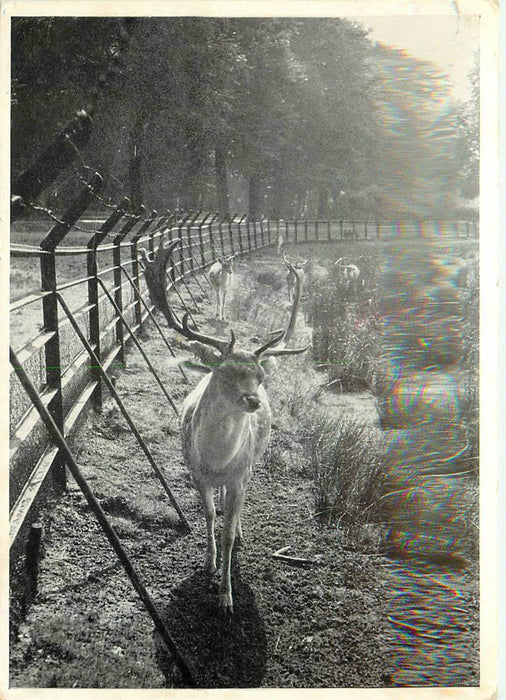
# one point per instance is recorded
(224, 651)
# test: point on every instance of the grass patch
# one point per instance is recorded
(345, 338)
(347, 468)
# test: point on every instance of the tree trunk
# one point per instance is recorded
(322, 203)
(195, 159)
(135, 164)
(220, 169)
(278, 208)
(254, 204)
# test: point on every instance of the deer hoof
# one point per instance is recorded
(226, 603)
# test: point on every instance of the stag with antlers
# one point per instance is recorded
(295, 275)
(225, 421)
(349, 275)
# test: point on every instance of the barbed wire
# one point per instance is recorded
(91, 231)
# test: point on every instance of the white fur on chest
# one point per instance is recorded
(220, 444)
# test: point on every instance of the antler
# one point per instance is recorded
(286, 334)
(154, 273)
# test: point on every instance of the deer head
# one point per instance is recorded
(227, 262)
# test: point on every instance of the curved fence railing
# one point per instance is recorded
(100, 280)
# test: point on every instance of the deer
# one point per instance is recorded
(349, 275)
(225, 421)
(220, 277)
(295, 271)
(281, 243)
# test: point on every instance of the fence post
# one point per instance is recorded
(239, 230)
(255, 234)
(50, 309)
(211, 237)
(93, 298)
(118, 280)
(231, 234)
(328, 230)
(201, 240)
(316, 231)
(181, 245)
(190, 241)
(248, 234)
(262, 233)
(135, 265)
(51, 162)
(220, 231)
(305, 230)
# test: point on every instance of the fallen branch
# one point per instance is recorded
(295, 561)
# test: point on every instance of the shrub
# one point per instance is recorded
(347, 468)
(345, 338)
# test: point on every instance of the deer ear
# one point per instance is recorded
(269, 364)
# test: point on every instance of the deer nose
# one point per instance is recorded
(252, 401)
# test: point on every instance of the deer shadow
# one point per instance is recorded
(224, 651)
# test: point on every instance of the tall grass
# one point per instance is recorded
(347, 468)
(345, 338)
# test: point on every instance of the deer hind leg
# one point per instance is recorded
(206, 494)
(233, 505)
(221, 499)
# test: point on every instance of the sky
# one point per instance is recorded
(445, 40)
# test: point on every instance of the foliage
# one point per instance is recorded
(420, 156)
(345, 340)
(305, 114)
(470, 137)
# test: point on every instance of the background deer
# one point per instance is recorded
(348, 275)
(281, 243)
(295, 272)
(225, 421)
(220, 277)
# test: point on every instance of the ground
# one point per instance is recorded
(346, 618)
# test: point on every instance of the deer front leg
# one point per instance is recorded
(233, 505)
(223, 297)
(221, 510)
(206, 493)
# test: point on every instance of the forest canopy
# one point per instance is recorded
(282, 117)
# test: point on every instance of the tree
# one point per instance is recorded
(469, 133)
(420, 160)
(50, 54)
